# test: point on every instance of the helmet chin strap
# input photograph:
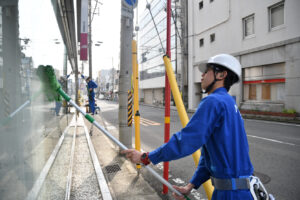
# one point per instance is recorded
(208, 89)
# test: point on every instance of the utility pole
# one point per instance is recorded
(90, 39)
(113, 77)
(125, 134)
(184, 49)
(65, 73)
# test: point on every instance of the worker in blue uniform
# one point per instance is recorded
(218, 128)
(91, 85)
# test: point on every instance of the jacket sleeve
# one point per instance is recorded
(202, 173)
(193, 136)
(94, 84)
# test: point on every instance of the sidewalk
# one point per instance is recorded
(123, 179)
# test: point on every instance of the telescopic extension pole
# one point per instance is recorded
(122, 146)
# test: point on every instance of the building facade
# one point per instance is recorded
(262, 35)
(151, 50)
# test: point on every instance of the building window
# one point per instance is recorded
(200, 5)
(248, 26)
(276, 15)
(252, 91)
(212, 37)
(266, 92)
(264, 83)
(201, 42)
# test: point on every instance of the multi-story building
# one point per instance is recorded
(152, 47)
(264, 37)
(109, 83)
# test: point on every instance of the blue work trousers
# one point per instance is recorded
(57, 107)
(92, 103)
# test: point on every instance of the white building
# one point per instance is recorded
(265, 38)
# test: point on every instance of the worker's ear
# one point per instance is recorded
(222, 75)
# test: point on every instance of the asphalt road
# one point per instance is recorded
(274, 149)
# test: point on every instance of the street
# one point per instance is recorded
(274, 149)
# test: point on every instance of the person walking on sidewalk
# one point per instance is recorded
(218, 128)
(91, 85)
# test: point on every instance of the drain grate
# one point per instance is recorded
(112, 168)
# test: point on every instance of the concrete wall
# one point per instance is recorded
(157, 82)
(148, 96)
(293, 76)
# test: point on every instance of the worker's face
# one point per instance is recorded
(207, 78)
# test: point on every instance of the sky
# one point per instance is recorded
(38, 23)
(106, 28)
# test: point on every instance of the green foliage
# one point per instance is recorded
(289, 111)
(49, 82)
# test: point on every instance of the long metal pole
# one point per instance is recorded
(90, 40)
(65, 85)
(136, 98)
(167, 95)
(120, 144)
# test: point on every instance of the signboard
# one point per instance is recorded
(84, 30)
(130, 3)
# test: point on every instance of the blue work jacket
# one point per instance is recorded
(217, 127)
(93, 85)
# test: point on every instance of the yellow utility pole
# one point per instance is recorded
(184, 117)
(136, 112)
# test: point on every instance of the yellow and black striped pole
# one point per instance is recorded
(129, 106)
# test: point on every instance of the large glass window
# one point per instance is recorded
(264, 83)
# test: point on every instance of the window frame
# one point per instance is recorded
(281, 3)
(212, 37)
(244, 26)
(201, 5)
(201, 42)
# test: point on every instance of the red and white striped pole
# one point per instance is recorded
(167, 95)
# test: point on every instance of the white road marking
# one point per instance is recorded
(271, 122)
(147, 122)
(178, 180)
(272, 140)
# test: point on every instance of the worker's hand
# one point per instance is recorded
(133, 155)
(183, 190)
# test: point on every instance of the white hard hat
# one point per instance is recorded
(225, 60)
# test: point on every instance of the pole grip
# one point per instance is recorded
(63, 94)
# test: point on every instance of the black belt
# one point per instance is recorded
(231, 184)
